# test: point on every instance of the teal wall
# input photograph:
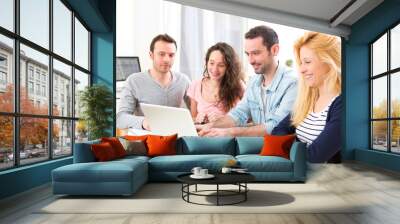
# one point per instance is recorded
(103, 64)
(24, 178)
(99, 16)
(356, 85)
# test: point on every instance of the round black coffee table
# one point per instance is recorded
(238, 179)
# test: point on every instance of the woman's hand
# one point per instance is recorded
(214, 116)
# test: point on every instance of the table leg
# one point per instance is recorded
(245, 191)
(217, 194)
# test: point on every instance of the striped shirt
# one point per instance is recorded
(312, 126)
(328, 143)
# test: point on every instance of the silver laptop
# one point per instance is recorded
(165, 120)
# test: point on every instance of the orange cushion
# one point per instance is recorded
(116, 145)
(103, 152)
(161, 145)
(135, 137)
(275, 145)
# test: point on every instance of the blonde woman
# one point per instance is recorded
(316, 117)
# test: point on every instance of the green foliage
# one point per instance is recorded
(96, 102)
(289, 63)
(380, 127)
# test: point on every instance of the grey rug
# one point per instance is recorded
(166, 198)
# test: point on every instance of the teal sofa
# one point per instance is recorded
(125, 176)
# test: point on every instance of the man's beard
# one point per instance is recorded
(263, 69)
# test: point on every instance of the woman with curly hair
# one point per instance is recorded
(221, 86)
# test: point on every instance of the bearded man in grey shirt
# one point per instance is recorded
(158, 85)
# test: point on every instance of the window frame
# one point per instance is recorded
(389, 72)
(15, 71)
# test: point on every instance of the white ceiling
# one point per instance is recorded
(316, 15)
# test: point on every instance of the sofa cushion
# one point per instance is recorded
(161, 145)
(185, 163)
(112, 171)
(116, 145)
(249, 145)
(129, 158)
(203, 145)
(136, 137)
(277, 145)
(83, 152)
(103, 151)
(257, 163)
(134, 147)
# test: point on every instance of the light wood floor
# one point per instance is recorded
(378, 188)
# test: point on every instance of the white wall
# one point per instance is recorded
(138, 22)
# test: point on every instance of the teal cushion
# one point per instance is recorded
(111, 171)
(185, 163)
(257, 163)
(83, 152)
(133, 157)
(249, 145)
(204, 145)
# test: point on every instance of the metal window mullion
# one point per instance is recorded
(389, 102)
(50, 81)
(73, 82)
(16, 84)
(371, 137)
(89, 52)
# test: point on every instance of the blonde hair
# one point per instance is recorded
(327, 48)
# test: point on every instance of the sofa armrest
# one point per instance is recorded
(298, 157)
(83, 153)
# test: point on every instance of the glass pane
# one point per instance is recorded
(62, 141)
(7, 14)
(379, 55)
(62, 29)
(35, 21)
(81, 45)
(81, 81)
(6, 142)
(395, 47)
(379, 135)
(34, 97)
(62, 89)
(395, 138)
(379, 98)
(81, 131)
(6, 74)
(395, 95)
(33, 139)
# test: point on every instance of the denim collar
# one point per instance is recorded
(277, 78)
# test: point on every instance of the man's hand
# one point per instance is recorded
(145, 125)
(215, 132)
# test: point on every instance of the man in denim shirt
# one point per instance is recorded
(269, 96)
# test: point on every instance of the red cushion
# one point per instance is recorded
(161, 145)
(103, 151)
(116, 145)
(275, 145)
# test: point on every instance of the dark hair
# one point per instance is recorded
(162, 37)
(230, 90)
(268, 34)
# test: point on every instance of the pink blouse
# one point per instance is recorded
(215, 109)
(204, 107)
